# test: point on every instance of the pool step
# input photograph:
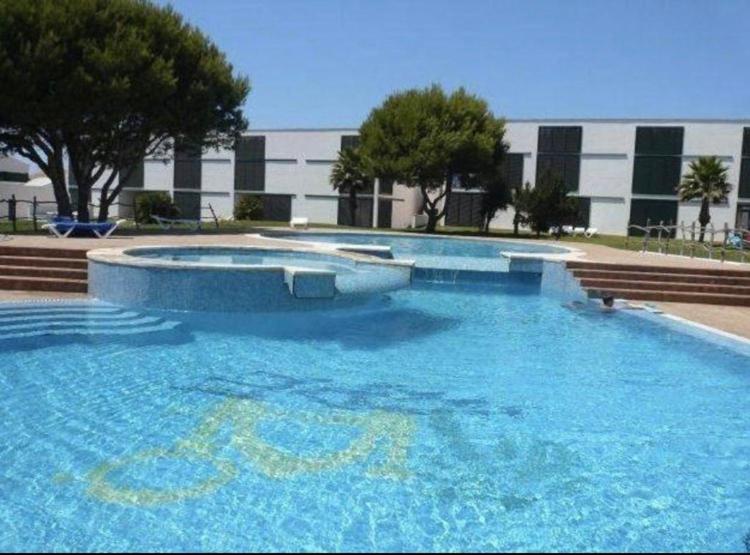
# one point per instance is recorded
(672, 296)
(43, 269)
(31, 271)
(43, 284)
(662, 277)
(719, 286)
(30, 321)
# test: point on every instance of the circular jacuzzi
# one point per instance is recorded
(238, 278)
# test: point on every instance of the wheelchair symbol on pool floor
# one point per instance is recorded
(390, 430)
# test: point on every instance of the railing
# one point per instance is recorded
(36, 214)
(717, 243)
(36, 205)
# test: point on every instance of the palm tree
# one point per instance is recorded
(351, 175)
(707, 181)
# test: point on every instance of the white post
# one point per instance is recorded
(375, 202)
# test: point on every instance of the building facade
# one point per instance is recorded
(623, 171)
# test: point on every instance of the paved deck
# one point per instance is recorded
(734, 320)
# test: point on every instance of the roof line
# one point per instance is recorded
(739, 121)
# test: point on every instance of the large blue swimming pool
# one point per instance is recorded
(435, 418)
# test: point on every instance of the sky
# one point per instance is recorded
(327, 63)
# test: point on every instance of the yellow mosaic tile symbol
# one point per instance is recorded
(390, 430)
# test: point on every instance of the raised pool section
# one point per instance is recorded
(438, 258)
(216, 278)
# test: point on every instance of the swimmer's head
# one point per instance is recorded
(609, 301)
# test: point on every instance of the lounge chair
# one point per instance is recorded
(65, 227)
(169, 223)
(299, 222)
(591, 232)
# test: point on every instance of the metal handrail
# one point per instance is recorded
(13, 217)
(733, 239)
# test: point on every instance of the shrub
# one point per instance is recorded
(154, 204)
(249, 207)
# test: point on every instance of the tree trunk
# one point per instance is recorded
(56, 173)
(516, 222)
(704, 218)
(352, 207)
(64, 207)
(84, 196)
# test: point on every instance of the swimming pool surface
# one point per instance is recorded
(433, 252)
(435, 418)
(233, 257)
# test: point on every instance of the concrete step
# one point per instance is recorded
(662, 277)
(722, 271)
(43, 252)
(616, 284)
(673, 296)
(37, 262)
(43, 284)
(30, 271)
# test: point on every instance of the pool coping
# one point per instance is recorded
(569, 253)
(121, 256)
(715, 336)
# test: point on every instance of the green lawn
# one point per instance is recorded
(25, 227)
(675, 247)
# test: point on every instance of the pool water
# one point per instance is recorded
(437, 418)
(434, 252)
(231, 257)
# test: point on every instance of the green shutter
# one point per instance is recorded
(513, 169)
(135, 179)
(250, 164)
(644, 211)
(744, 189)
(189, 205)
(349, 141)
(657, 165)
(187, 167)
(559, 154)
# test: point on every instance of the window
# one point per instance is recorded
(386, 187)
(583, 218)
(464, 209)
(559, 154)
(133, 176)
(349, 141)
(645, 211)
(513, 170)
(362, 217)
(744, 187)
(250, 164)
(385, 213)
(274, 208)
(187, 167)
(743, 216)
(658, 160)
(14, 176)
(189, 205)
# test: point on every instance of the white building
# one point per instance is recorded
(15, 184)
(623, 171)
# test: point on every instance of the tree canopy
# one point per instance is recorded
(105, 82)
(550, 205)
(706, 181)
(428, 139)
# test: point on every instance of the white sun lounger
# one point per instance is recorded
(299, 222)
(591, 232)
(169, 223)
